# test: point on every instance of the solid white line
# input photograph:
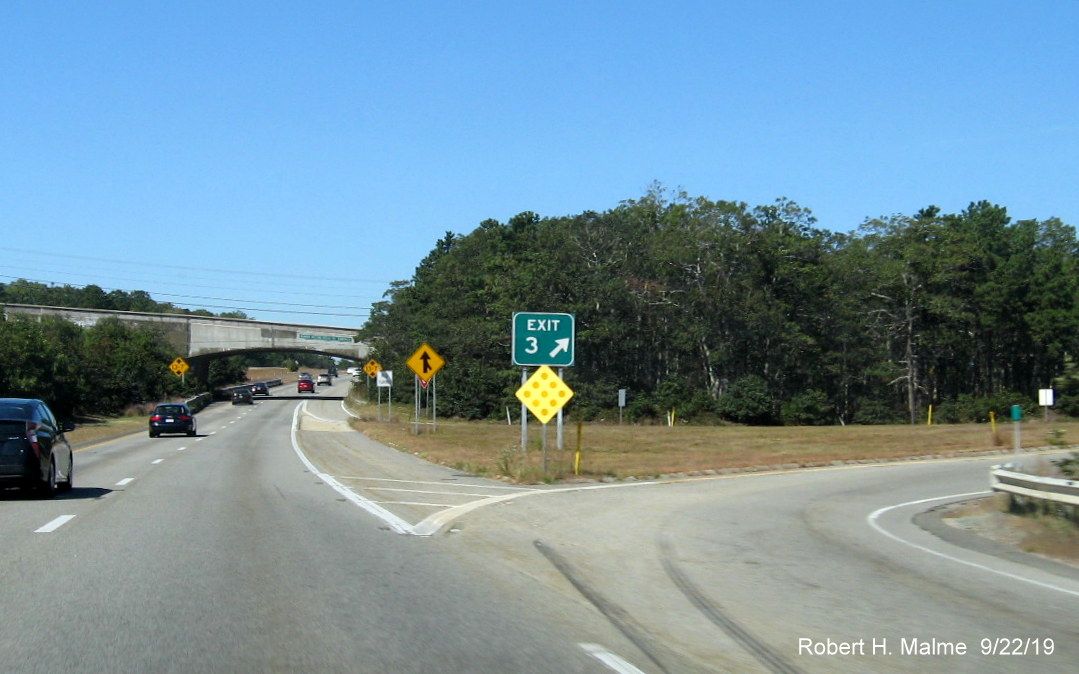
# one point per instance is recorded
(55, 524)
(393, 521)
(422, 491)
(125, 481)
(872, 519)
(444, 484)
(414, 503)
(612, 661)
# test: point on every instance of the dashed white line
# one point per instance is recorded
(124, 482)
(608, 658)
(55, 524)
(157, 462)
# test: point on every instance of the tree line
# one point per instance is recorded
(22, 291)
(723, 311)
(101, 369)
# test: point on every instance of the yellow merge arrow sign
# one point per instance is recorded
(425, 362)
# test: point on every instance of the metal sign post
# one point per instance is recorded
(426, 363)
(544, 394)
(524, 413)
(385, 381)
(1017, 418)
(540, 339)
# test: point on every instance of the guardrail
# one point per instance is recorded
(1053, 489)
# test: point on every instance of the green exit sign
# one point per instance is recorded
(543, 339)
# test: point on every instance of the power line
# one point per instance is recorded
(231, 307)
(190, 268)
(261, 289)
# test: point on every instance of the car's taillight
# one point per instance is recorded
(156, 417)
(31, 435)
(185, 417)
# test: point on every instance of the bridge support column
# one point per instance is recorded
(200, 370)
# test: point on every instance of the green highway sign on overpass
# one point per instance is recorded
(543, 339)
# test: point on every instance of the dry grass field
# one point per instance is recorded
(629, 451)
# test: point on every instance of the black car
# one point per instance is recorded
(242, 396)
(33, 449)
(172, 418)
(260, 389)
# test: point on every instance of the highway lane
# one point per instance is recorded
(809, 571)
(794, 573)
(225, 554)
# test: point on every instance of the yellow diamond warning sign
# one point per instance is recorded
(544, 394)
(179, 366)
(425, 362)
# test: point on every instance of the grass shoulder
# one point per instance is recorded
(612, 451)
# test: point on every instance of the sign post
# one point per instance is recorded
(384, 378)
(372, 369)
(1017, 418)
(426, 363)
(542, 339)
(544, 394)
(1045, 399)
(179, 368)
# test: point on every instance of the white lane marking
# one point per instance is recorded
(608, 658)
(180, 449)
(317, 417)
(444, 484)
(872, 520)
(414, 503)
(422, 491)
(125, 481)
(55, 524)
(393, 521)
(157, 462)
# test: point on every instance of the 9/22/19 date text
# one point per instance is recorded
(1002, 646)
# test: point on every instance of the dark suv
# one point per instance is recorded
(33, 450)
(172, 418)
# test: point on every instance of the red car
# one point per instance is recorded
(305, 385)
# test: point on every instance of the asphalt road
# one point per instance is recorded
(281, 541)
(223, 553)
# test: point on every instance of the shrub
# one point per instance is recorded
(809, 408)
(747, 401)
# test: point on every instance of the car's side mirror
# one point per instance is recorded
(67, 425)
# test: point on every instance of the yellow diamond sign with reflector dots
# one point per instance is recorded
(179, 366)
(544, 393)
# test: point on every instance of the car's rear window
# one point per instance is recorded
(15, 412)
(170, 409)
(12, 429)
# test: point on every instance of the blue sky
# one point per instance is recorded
(292, 159)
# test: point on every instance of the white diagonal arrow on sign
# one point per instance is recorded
(560, 346)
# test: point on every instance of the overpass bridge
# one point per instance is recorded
(200, 339)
